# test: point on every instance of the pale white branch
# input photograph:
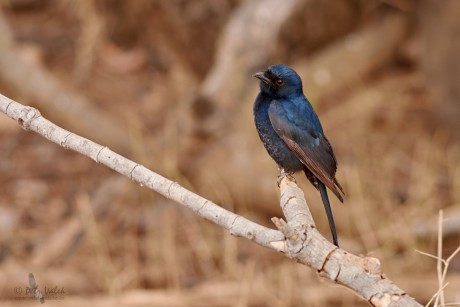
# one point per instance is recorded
(297, 237)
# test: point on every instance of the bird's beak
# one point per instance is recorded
(262, 77)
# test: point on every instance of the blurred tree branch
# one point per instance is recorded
(36, 83)
(439, 60)
(347, 61)
(297, 238)
(246, 41)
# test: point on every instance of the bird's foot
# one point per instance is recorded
(283, 174)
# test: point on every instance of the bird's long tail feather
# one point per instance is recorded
(327, 206)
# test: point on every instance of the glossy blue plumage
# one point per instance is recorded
(274, 145)
(292, 133)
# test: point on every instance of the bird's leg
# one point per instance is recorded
(283, 174)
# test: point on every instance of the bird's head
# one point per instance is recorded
(279, 81)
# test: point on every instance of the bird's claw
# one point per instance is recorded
(283, 174)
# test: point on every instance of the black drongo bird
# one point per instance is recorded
(292, 134)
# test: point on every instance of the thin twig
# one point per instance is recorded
(429, 255)
(453, 255)
(436, 294)
(441, 271)
(439, 263)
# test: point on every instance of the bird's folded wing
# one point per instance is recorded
(311, 147)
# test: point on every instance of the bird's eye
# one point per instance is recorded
(279, 82)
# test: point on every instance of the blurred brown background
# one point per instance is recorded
(168, 84)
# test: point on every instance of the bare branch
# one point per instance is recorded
(297, 236)
(31, 119)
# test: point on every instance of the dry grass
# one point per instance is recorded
(442, 265)
(397, 165)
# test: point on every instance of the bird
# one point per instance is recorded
(292, 134)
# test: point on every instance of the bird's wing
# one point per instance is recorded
(312, 148)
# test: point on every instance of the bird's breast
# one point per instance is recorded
(274, 145)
